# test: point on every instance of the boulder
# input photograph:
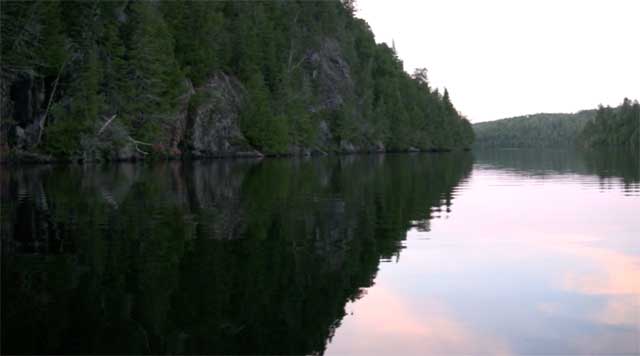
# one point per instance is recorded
(213, 120)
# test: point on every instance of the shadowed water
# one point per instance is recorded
(490, 252)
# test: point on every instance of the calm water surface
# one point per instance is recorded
(496, 252)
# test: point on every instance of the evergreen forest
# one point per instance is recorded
(124, 79)
(617, 127)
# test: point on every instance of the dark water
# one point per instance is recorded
(484, 252)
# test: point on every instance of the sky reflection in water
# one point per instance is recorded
(523, 264)
(498, 252)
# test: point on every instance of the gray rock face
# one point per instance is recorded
(6, 108)
(347, 147)
(212, 123)
(324, 134)
(378, 147)
(176, 127)
(332, 75)
(207, 121)
(22, 100)
(213, 127)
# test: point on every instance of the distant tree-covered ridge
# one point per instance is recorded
(538, 130)
(128, 79)
(604, 127)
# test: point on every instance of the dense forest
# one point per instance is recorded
(614, 127)
(92, 80)
(604, 127)
(538, 130)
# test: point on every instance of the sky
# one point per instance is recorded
(504, 58)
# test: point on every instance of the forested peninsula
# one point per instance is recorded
(597, 128)
(126, 80)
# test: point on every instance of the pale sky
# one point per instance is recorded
(502, 58)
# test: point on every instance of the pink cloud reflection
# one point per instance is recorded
(383, 319)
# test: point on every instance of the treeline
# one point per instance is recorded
(89, 78)
(539, 130)
(614, 127)
(604, 127)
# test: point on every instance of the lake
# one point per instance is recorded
(487, 252)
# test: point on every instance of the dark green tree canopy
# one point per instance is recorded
(312, 74)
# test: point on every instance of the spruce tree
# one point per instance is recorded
(264, 130)
(156, 80)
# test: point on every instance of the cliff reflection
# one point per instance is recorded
(219, 258)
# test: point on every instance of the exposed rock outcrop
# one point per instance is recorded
(212, 123)
(23, 96)
(6, 111)
(175, 128)
(206, 122)
(331, 74)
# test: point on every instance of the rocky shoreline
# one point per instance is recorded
(19, 157)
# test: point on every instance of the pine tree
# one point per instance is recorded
(264, 130)
(64, 135)
(21, 35)
(140, 54)
(115, 84)
(53, 49)
(155, 78)
(197, 27)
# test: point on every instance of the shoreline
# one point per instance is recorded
(18, 158)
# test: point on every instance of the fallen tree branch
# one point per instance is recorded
(136, 143)
(106, 124)
(141, 151)
(139, 142)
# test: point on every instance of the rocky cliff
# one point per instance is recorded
(130, 80)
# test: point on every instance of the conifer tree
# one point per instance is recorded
(155, 78)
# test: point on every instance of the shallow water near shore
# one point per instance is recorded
(494, 252)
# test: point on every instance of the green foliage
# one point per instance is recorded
(616, 127)
(606, 126)
(64, 136)
(116, 86)
(539, 130)
(305, 66)
(153, 72)
(264, 130)
(293, 101)
(197, 28)
(53, 46)
(22, 33)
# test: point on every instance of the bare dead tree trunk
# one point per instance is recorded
(53, 93)
(291, 50)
